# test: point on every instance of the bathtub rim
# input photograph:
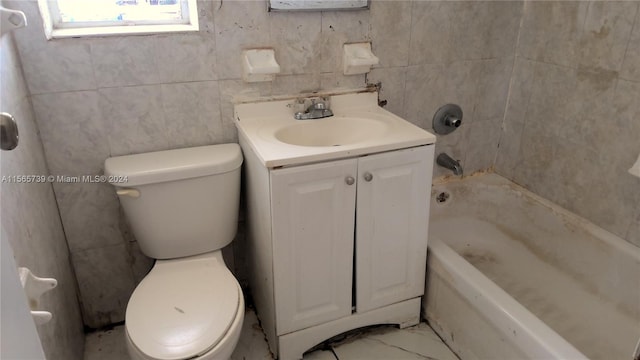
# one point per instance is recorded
(511, 318)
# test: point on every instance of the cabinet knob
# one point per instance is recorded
(349, 180)
(368, 176)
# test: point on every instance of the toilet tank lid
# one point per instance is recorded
(171, 165)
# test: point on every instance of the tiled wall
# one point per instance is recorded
(101, 97)
(30, 220)
(572, 126)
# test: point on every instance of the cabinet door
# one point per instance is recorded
(391, 226)
(313, 210)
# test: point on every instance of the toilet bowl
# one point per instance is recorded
(189, 308)
(182, 206)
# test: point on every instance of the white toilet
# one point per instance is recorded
(183, 209)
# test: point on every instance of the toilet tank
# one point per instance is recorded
(180, 202)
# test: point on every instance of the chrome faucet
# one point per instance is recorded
(446, 161)
(317, 108)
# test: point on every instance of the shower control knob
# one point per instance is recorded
(368, 177)
(447, 119)
(349, 180)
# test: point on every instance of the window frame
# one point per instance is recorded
(54, 28)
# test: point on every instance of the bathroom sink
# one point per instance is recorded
(358, 127)
(333, 131)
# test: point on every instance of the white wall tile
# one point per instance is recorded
(74, 134)
(239, 25)
(295, 84)
(64, 66)
(330, 81)
(482, 145)
(391, 31)
(631, 63)
(606, 34)
(128, 60)
(136, 119)
(296, 40)
(338, 28)
(493, 88)
(430, 86)
(51, 66)
(107, 265)
(186, 57)
(431, 33)
(192, 113)
(89, 213)
(483, 30)
(551, 31)
(508, 154)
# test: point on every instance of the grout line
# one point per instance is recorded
(511, 84)
(443, 341)
(401, 348)
(633, 27)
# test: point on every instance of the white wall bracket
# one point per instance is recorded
(34, 287)
(11, 20)
(358, 59)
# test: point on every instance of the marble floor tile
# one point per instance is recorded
(370, 349)
(252, 344)
(384, 342)
(420, 339)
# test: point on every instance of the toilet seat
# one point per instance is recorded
(183, 307)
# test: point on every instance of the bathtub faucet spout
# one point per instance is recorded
(446, 161)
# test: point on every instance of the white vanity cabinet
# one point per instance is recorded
(392, 212)
(313, 209)
(347, 242)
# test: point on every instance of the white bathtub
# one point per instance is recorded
(513, 276)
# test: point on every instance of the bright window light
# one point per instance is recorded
(73, 18)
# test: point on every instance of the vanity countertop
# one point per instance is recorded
(261, 125)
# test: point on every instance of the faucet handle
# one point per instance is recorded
(312, 108)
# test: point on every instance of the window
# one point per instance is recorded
(73, 18)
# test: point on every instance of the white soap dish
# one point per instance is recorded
(358, 58)
(259, 65)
